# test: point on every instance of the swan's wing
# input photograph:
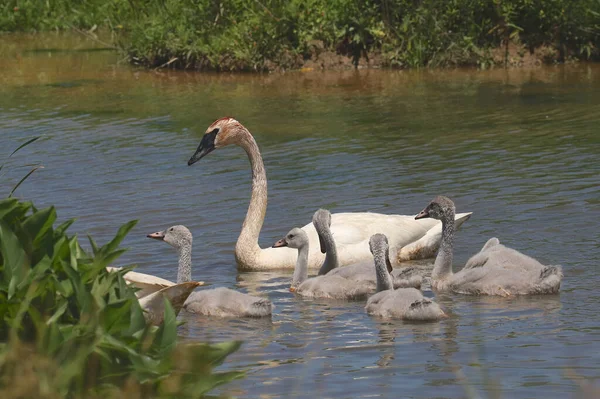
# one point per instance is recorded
(154, 304)
(492, 242)
(428, 245)
(146, 283)
(477, 260)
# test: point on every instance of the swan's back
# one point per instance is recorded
(499, 270)
(404, 303)
(225, 302)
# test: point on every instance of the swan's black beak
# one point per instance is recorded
(280, 243)
(159, 235)
(207, 145)
(423, 214)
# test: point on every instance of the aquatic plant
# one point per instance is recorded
(68, 327)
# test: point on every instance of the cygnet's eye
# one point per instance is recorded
(171, 229)
(290, 236)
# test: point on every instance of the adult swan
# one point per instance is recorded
(408, 238)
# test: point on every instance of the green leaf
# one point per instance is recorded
(23, 179)
(39, 223)
(14, 257)
(59, 312)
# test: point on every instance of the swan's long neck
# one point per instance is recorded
(331, 257)
(247, 243)
(301, 270)
(184, 272)
(443, 261)
(384, 280)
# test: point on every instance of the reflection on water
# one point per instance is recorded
(519, 148)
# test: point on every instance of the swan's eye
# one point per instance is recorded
(291, 236)
(171, 229)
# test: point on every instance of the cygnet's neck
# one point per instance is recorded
(384, 280)
(443, 262)
(301, 269)
(331, 257)
(184, 272)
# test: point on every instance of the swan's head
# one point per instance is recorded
(380, 248)
(296, 238)
(176, 236)
(221, 133)
(439, 208)
(322, 221)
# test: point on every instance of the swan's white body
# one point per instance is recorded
(146, 283)
(495, 270)
(351, 230)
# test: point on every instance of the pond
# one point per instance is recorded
(518, 148)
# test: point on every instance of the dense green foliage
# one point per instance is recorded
(70, 327)
(265, 34)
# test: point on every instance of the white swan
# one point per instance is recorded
(221, 302)
(145, 283)
(361, 272)
(153, 304)
(329, 287)
(403, 303)
(495, 270)
(409, 239)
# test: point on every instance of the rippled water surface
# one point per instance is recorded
(519, 148)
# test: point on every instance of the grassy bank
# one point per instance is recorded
(280, 34)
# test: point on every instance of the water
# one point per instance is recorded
(519, 148)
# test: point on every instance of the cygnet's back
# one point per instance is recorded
(499, 270)
(365, 272)
(225, 302)
(403, 303)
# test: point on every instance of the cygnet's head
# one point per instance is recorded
(322, 221)
(379, 246)
(296, 238)
(439, 208)
(176, 236)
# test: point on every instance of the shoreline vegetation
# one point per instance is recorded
(279, 35)
(69, 328)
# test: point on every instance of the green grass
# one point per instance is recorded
(270, 34)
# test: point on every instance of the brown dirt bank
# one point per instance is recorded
(321, 59)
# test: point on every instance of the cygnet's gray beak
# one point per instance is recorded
(159, 235)
(423, 214)
(280, 243)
